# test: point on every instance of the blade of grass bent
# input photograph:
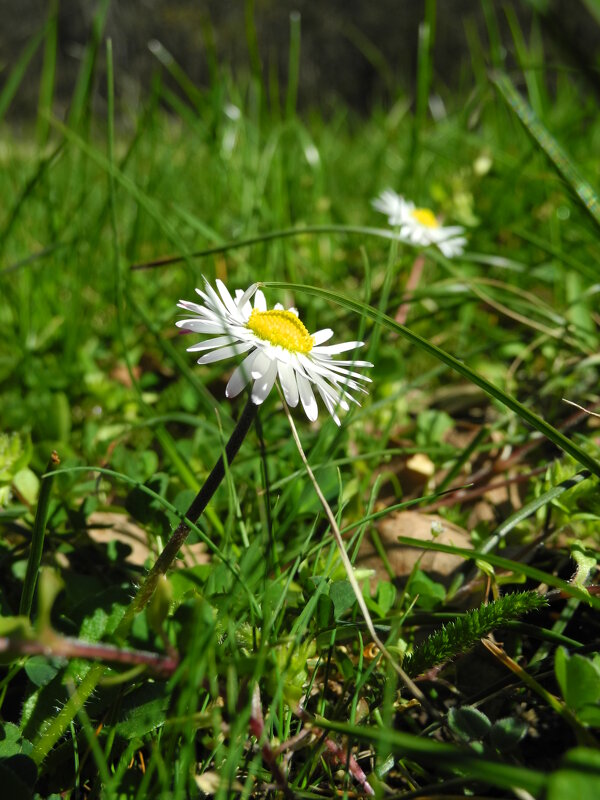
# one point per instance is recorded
(357, 230)
(446, 756)
(503, 530)
(360, 308)
(553, 150)
(505, 563)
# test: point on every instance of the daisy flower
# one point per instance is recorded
(419, 226)
(278, 346)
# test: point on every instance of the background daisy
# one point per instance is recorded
(419, 226)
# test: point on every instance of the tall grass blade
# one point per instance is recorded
(517, 567)
(445, 756)
(48, 76)
(293, 66)
(85, 79)
(18, 71)
(37, 538)
(548, 144)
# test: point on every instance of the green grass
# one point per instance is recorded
(257, 622)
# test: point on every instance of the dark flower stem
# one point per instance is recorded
(180, 534)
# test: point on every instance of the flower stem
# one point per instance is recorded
(406, 679)
(46, 740)
(180, 534)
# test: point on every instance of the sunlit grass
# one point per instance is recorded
(465, 418)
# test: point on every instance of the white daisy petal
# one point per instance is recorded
(259, 300)
(189, 306)
(337, 348)
(261, 365)
(241, 376)
(307, 398)
(245, 296)
(263, 385)
(225, 352)
(210, 344)
(329, 405)
(287, 379)
(215, 302)
(322, 336)
(199, 326)
(227, 298)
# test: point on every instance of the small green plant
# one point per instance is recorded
(464, 632)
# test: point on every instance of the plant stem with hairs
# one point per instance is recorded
(181, 532)
(46, 741)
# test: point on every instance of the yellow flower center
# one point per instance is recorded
(425, 217)
(281, 328)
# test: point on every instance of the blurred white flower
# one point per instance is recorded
(279, 346)
(419, 226)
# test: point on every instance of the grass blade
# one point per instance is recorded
(37, 538)
(550, 432)
(553, 150)
(445, 756)
(505, 563)
(16, 76)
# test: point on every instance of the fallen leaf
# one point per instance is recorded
(107, 526)
(420, 527)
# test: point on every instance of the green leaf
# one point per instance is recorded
(325, 612)
(589, 715)
(386, 596)
(342, 596)
(40, 670)
(431, 427)
(18, 772)
(578, 778)
(430, 593)
(144, 710)
(469, 723)
(106, 610)
(12, 742)
(14, 455)
(27, 483)
(506, 733)
(578, 678)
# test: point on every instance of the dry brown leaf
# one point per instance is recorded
(107, 526)
(421, 527)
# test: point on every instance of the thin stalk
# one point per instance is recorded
(37, 538)
(181, 532)
(49, 736)
(51, 644)
(408, 682)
